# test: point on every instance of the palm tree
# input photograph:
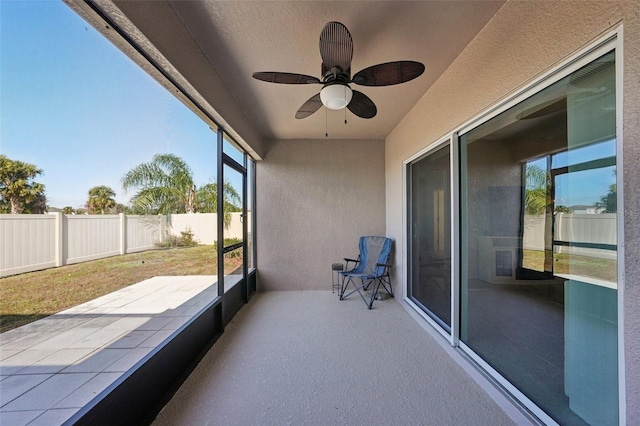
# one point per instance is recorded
(166, 185)
(207, 200)
(101, 198)
(37, 204)
(535, 202)
(609, 202)
(17, 190)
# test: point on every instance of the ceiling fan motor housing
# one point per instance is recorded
(336, 75)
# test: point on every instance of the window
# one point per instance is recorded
(586, 227)
(92, 119)
(107, 123)
(539, 249)
(430, 234)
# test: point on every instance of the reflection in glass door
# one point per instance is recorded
(233, 235)
(539, 246)
(430, 245)
(232, 226)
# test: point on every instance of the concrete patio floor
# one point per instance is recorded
(297, 357)
(305, 357)
(51, 368)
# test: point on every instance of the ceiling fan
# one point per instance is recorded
(336, 50)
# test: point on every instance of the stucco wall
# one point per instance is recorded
(522, 41)
(315, 199)
(490, 166)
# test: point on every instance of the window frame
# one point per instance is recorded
(608, 42)
(406, 229)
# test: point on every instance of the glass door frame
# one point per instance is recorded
(233, 300)
(450, 141)
(610, 41)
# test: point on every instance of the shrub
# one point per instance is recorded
(187, 238)
(184, 240)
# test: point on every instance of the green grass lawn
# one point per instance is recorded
(28, 297)
(572, 264)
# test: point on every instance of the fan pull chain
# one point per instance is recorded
(345, 108)
(326, 126)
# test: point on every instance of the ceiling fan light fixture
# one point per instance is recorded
(336, 96)
(336, 51)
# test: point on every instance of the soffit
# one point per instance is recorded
(237, 38)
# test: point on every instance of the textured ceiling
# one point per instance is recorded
(242, 37)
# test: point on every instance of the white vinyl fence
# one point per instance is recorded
(204, 226)
(30, 242)
(574, 227)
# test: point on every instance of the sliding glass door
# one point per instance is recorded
(233, 229)
(539, 290)
(233, 232)
(430, 234)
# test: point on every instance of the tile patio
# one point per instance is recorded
(51, 368)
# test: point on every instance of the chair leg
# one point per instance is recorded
(374, 293)
(363, 287)
(380, 281)
(364, 284)
(343, 287)
(385, 281)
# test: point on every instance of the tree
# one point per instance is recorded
(166, 186)
(101, 199)
(121, 208)
(18, 192)
(37, 205)
(68, 210)
(207, 200)
(609, 201)
(535, 202)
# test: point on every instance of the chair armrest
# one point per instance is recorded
(386, 265)
(350, 260)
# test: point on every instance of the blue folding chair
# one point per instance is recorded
(371, 267)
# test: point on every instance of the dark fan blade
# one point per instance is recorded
(285, 78)
(336, 46)
(362, 106)
(389, 73)
(312, 105)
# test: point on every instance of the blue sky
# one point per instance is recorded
(78, 108)
(584, 187)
